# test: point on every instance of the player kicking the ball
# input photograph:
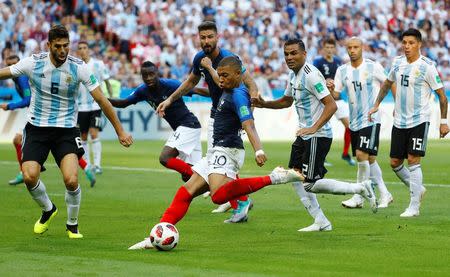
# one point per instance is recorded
(217, 173)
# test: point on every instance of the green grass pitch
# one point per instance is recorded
(134, 190)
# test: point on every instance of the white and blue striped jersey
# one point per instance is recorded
(363, 85)
(54, 90)
(308, 87)
(414, 83)
(85, 101)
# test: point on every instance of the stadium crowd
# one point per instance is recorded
(126, 33)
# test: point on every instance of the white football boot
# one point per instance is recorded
(356, 202)
(281, 175)
(385, 200)
(318, 227)
(145, 244)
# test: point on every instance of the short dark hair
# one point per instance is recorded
(13, 57)
(412, 32)
(297, 41)
(331, 41)
(207, 25)
(83, 42)
(57, 31)
(232, 61)
(148, 64)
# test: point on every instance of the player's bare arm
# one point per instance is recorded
(280, 103)
(328, 111)
(250, 84)
(443, 103)
(5, 73)
(109, 88)
(383, 92)
(184, 88)
(253, 137)
(119, 103)
(124, 138)
(201, 91)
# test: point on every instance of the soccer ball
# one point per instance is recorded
(164, 236)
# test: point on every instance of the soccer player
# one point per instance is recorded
(23, 89)
(314, 105)
(414, 76)
(54, 80)
(89, 112)
(362, 79)
(184, 142)
(204, 65)
(219, 172)
(328, 65)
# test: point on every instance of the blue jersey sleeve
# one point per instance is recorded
(24, 85)
(137, 96)
(25, 93)
(25, 102)
(196, 63)
(242, 104)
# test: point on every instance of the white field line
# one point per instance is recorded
(245, 172)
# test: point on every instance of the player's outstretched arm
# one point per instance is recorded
(201, 91)
(183, 89)
(328, 111)
(387, 84)
(124, 138)
(250, 84)
(119, 103)
(5, 73)
(443, 103)
(253, 137)
(280, 103)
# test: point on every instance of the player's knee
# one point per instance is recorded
(30, 175)
(361, 156)
(372, 159)
(396, 163)
(412, 160)
(17, 140)
(71, 182)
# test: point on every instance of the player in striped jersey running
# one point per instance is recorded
(362, 78)
(90, 114)
(414, 76)
(54, 80)
(315, 106)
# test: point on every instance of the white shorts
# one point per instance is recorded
(187, 142)
(221, 160)
(210, 134)
(342, 109)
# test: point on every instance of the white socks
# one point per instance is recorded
(97, 151)
(336, 187)
(415, 185)
(39, 195)
(377, 177)
(310, 202)
(87, 155)
(363, 171)
(403, 174)
(73, 199)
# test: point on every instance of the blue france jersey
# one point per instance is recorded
(214, 90)
(23, 88)
(328, 69)
(233, 109)
(177, 114)
(54, 90)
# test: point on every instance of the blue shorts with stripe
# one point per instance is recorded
(308, 155)
(366, 139)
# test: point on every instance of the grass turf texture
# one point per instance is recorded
(124, 204)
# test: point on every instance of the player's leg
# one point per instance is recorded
(417, 142)
(300, 154)
(398, 153)
(377, 178)
(66, 150)
(83, 125)
(35, 151)
(342, 114)
(17, 142)
(94, 129)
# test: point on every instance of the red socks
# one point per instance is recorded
(179, 206)
(238, 188)
(180, 166)
(82, 163)
(19, 154)
(347, 141)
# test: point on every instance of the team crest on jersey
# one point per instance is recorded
(69, 79)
